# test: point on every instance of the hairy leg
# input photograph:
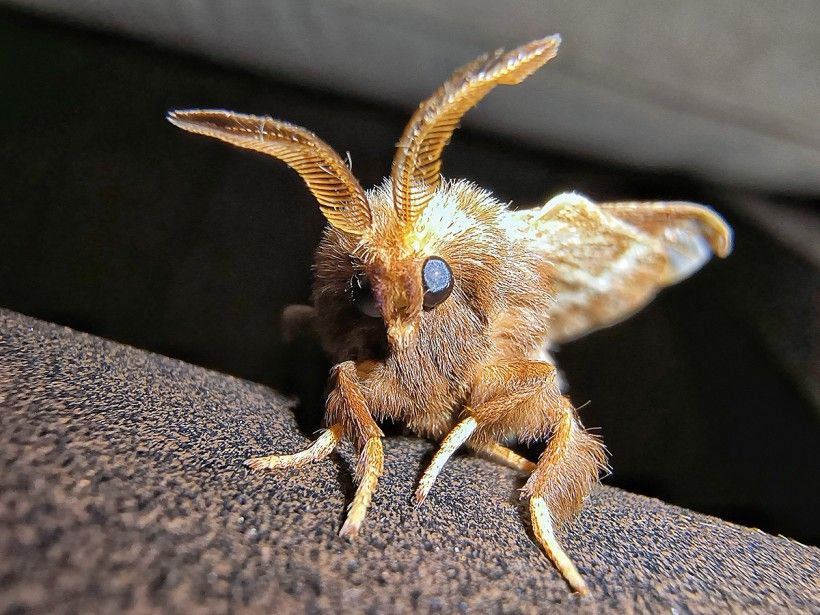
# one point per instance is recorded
(321, 448)
(347, 414)
(523, 397)
(502, 455)
(449, 445)
(565, 474)
(368, 470)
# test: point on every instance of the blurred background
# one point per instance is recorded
(114, 222)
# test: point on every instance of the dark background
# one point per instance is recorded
(116, 223)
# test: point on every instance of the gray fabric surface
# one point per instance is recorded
(122, 488)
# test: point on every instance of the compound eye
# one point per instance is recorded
(437, 280)
(361, 295)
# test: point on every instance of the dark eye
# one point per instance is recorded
(437, 280)
(361, 295)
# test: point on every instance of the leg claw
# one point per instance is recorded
(258, 463)
(350, 529)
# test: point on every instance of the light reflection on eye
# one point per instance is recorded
(437, 281)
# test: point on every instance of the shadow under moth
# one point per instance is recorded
(438, 304)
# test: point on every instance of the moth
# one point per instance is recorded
(439, 304)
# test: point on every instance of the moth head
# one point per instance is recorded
(418, 283)
(399, 291)
(415, 252)
(402, 277)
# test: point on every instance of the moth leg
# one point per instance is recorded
(449, 445)
(368, 469)
(346, 405)
(321, 448)
(347, 414)
(504, 456)
(523, 397)
(542, 528)
(565, 474)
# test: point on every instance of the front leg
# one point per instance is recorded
(523, 398)
(346, 406)
(347, 415)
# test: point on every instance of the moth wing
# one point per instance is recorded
(607, 261)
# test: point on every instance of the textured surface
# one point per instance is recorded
(121, 487)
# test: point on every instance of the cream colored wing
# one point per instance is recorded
(609, 260)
